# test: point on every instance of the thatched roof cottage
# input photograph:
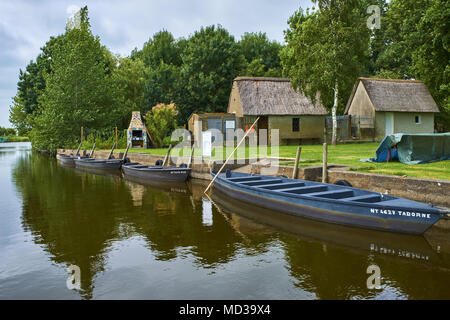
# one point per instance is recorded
(398, 106)
(279, 106)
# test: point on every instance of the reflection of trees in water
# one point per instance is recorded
(76, 216)
(67, 213)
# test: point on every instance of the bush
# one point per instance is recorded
(161, 121)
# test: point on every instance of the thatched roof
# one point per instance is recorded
(396, 95)
(273, 96)
(136, 121)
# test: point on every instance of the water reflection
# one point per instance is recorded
(171, 234)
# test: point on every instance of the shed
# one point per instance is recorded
(397, 106)
(137, 132)
(279, 106)
(199, 122)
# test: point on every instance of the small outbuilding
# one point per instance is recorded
(199, 122)
(137, 132)
(397, 106)
(279, 106)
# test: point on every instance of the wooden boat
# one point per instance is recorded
(102, 164)
(331, 203)
(157, 172)
(69, 159)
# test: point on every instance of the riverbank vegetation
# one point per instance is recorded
(342, 154)
(76, 81)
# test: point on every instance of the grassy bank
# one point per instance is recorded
(345, 154)
(15, 139)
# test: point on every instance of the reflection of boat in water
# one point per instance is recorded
(177, 187)
(409, 247)
(156, 172)
(337, 204)
(102, 172)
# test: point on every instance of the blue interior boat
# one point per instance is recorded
(331, 203)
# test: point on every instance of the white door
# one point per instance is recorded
(389, 123)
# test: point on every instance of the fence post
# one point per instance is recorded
(297, 159)
(324, 166)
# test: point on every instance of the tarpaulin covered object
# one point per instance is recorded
(413, 148)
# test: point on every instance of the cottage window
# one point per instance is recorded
(295, 124)
(417, 119)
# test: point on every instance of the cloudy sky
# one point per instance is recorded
(25, 26)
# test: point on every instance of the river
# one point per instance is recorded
(133, 240)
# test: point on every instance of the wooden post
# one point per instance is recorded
(81, 134)
(112, 150)
(116, 136)
(166, 158)
(192, 154)
(78, 150)
(126, 151)
(221, 168)
(324, 169)
(297, 160)
(92, 152)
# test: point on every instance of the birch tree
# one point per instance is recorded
(326, 50)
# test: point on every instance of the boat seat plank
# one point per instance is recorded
(244, 179)
(334, 194)
(285, 185)
(304, 190)
(261, 182)
(371, 198)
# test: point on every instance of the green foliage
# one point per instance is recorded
(211, 60)
(413, 42)
(80, 91)
(129, 79)
(104, 139)
(7, 132)
(261, 54)
(326, 50)
(161, 121)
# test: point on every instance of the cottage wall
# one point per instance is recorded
(234, 105)
(380, 125)
(404, 122)
(361, 104)
(311, 127)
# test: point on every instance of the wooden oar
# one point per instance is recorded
(190, 158)
(126, 151)
(92, 152)
(111, 152)
(78, 150)
(243, 138)
(166, 158)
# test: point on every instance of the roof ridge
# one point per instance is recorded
(244, 78)
(390, 80)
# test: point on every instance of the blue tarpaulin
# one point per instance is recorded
(413, 148)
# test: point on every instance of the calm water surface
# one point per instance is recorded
(139, 241)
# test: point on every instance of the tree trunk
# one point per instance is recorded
(333, 115)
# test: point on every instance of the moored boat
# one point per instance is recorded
(331, 203)
(103, 164)
(69, 159)
(157, 172)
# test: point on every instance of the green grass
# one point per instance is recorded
(344, 154)
(16, 139)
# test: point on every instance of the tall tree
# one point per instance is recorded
(326, 51)
(261, 54)
(129, 79)
(211, 60)
(79, 91)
